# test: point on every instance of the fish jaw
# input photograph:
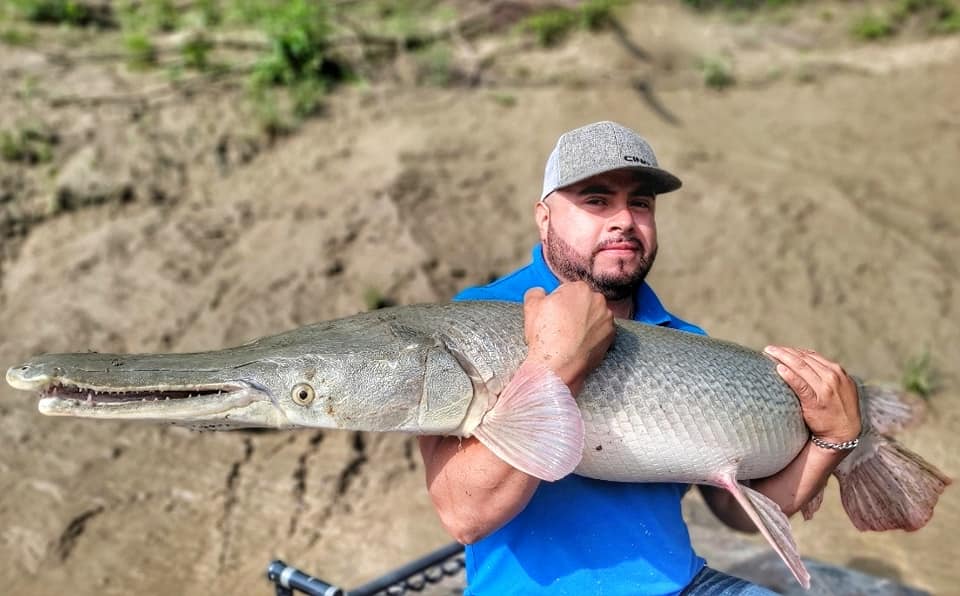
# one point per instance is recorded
(220, 405)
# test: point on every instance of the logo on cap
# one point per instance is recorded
(636, 159)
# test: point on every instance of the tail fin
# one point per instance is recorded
(883, 485)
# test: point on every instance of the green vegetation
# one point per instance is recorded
(950, 24)
(920, 377)
(148, 16)
(16, 37)
(940, 17)
(62, 12)
(717, 72)
(553, 25)
(374, 299)
(195, 51)
(298, 32)
(292, 52)
(435, 65)
(140, 50)
(940, 10)
(406, 19)
(872, 26)
(738, 5)
(507, 100)
(29, 144)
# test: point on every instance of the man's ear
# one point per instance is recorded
(542, 217)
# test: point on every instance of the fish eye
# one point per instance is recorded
(303, 394)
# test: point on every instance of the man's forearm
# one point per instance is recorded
(794, 486)
(473, 491)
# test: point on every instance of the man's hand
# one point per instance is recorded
(831, 410)
(568, 331)
(828, 396)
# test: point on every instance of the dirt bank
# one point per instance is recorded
(818, 210)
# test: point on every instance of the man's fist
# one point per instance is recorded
(568, 331)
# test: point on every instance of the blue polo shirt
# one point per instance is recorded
(582, 536)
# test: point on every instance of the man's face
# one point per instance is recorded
(602, 231)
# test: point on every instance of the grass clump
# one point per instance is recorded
(507, 100)
(16, 37)
(944, 16)
(410, 22)
(717, 72)
(939, 10)
(872, 26)
(738, 5)
(435, 65)
(195, 51)
(553, 25)
(940, 16)
(286, 83)
(29, 145)
(141, 53)
(298, 32)
(207, 13)
(920, 377)
(950, 24)
(374, 299)
(62, 12)
(291, 80)
(150, 15)
(140, 20)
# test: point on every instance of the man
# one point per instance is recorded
(598, 240)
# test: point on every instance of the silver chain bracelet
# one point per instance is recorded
(845, 446)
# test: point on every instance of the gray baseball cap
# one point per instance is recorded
(602, 147)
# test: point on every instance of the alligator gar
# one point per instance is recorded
(664, 405)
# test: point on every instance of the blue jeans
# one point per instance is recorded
(710, 582)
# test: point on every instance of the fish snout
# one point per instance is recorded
(31, 376)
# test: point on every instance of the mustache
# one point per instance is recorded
(634, 243)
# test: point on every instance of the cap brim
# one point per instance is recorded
(661, 180)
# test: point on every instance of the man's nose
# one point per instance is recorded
(620, 219)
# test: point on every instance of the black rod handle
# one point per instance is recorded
(291, 578)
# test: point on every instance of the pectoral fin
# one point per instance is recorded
(771, 522)
(535, 425)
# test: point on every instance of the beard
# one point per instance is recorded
(571, 266)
